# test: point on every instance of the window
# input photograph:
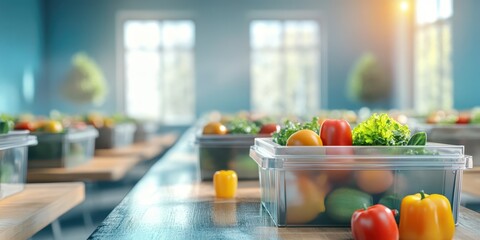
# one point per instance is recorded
(158, 70)
(433, 50)
(284, 66)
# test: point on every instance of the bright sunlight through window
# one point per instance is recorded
(433, 51)
(284, 66)
(159, 70)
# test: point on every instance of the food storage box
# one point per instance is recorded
(222, 152)
(458, 134)
(145, 131)
(13, 161)
(322, 186)
(118, 135)
(68, 149)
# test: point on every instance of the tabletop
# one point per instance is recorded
(27, 212)
(471, 181)
(98, 169)
(147, 150)
(171, 203)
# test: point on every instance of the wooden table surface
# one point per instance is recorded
(107, 164)
(471, 182)
(25, 213)
(97, 169)
(171, 203)
(145, 150)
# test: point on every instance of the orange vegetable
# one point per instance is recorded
(427, 217)
(225, 183)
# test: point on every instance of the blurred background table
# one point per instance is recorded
(38, 205)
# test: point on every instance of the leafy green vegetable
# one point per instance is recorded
(380, 130)
(242, 126)
(475, 115)
(6, 123)
(290, 128)
(419, 138)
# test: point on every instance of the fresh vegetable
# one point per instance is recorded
(225, 183)
(306, 197)
(424, 216)
(51, 126)
(242, 126)
(26, 125)
(336, 132)
(5, 126)
(391, 201)
(381, 130)
(214, 128)
(463, 118)
(343, 202)
(290, 128)
(418, 139)
(6, 123)
(269, 128)
(374, 181)
(304, 137)
(475, 115)
(375, 222)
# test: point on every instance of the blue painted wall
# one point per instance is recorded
(466, 53)
(222, 50)
(20, 53)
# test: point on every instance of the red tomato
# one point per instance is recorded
(463, 119)
(269, 128)
(336, 132)
(304, 137)
(375, 222)
(30, 126)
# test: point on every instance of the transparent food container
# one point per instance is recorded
(62, 150)
(145, 131)
(322, 186)
(222, 152)
(459, 134)
(117, 136)
(13, 161)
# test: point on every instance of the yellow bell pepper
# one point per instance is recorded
(424, 216)
(225, 183)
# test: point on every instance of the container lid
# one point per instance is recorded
(69, 135)
(269, 154)
(15, 139)
(227, 139)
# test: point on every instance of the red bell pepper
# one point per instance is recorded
(375, 222)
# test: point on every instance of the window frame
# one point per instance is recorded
(295, 15)
(161, 16)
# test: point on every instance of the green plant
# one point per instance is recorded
(85, 82)
(367, 81)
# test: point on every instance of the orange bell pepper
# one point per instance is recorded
(225, 183)
(424, 216)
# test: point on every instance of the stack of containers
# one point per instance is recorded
(317, 186)
(13, 161)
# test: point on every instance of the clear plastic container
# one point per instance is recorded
(67, 149)
(458, 134)
(222, 152)
(117, 136)
(13, 161)
(315, 186)
(145, 131)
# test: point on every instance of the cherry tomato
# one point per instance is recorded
(269, 128)
(214, 128)
(304, 137)
(336, 132)
(25, 125)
